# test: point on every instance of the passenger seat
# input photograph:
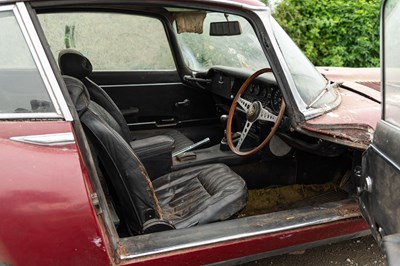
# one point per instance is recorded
(176, 200)
(73, 63)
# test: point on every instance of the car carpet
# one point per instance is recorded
(272, 199)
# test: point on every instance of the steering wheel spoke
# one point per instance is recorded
(254, 111)
(266, 115)
(243, 136)
(245, 104)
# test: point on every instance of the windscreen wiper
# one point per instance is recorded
(328, 87)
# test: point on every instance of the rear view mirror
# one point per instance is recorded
(225, 28)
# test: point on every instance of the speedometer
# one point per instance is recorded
(276, 100)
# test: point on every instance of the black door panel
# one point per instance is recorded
(380, 183)
(159, 100)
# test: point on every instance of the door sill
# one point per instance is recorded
(237, 229)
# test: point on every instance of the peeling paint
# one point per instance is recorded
(332, 115)
(97, 241)
(285, 236)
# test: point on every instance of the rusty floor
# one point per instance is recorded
(272, 199)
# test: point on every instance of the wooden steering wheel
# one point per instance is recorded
(254, 111)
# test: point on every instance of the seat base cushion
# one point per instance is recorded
(200, 195)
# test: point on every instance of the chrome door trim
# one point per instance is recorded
(232, 230)
(41, 61)
(56, 139)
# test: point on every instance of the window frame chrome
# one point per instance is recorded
(308, 113)
(42, 63)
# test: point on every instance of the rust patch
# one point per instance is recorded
(150, 189)
(274, 199)
(357, 133)
(121, 250)
(347, 211)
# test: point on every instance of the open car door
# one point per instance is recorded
(379, 185)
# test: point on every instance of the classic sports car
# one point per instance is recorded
(182, 132)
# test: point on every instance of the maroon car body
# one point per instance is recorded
(53, 210)
(48, 197)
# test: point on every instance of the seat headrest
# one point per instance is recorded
(75, 64)
(78, 92)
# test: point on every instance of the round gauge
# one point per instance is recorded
(251, 88)
(276, 99)
(256, 89)
(263, 92)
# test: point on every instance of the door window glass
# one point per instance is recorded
(21, 87)
(111, 41)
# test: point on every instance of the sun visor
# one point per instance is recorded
(190, 22)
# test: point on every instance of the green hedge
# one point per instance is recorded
(333, 32)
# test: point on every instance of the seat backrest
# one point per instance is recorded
(73, 63)
(127, 174)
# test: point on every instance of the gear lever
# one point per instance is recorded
(223, 119)
(223, 146)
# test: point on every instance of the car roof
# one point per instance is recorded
(243, 4)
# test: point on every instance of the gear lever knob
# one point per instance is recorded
(223, 119)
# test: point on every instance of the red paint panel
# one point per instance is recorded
(255, 245)
(347, 74)
(354, 109)
(249, 2)
(46, 217)
(252, 3)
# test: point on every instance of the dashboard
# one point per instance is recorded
(227, 82)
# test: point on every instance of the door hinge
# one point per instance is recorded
(96, 203)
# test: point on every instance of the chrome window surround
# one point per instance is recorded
(43, 66)
(307, 112)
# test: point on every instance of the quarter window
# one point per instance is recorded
(21, 87)
(112, 41)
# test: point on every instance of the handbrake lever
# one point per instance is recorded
(191, 147)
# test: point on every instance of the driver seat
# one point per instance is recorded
(179, 199)
(73, 63)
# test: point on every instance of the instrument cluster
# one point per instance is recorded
(269, 96)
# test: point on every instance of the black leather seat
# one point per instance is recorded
(73, 63)
(200, 195)
(179, 199)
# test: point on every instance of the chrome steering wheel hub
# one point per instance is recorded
(254, 111)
